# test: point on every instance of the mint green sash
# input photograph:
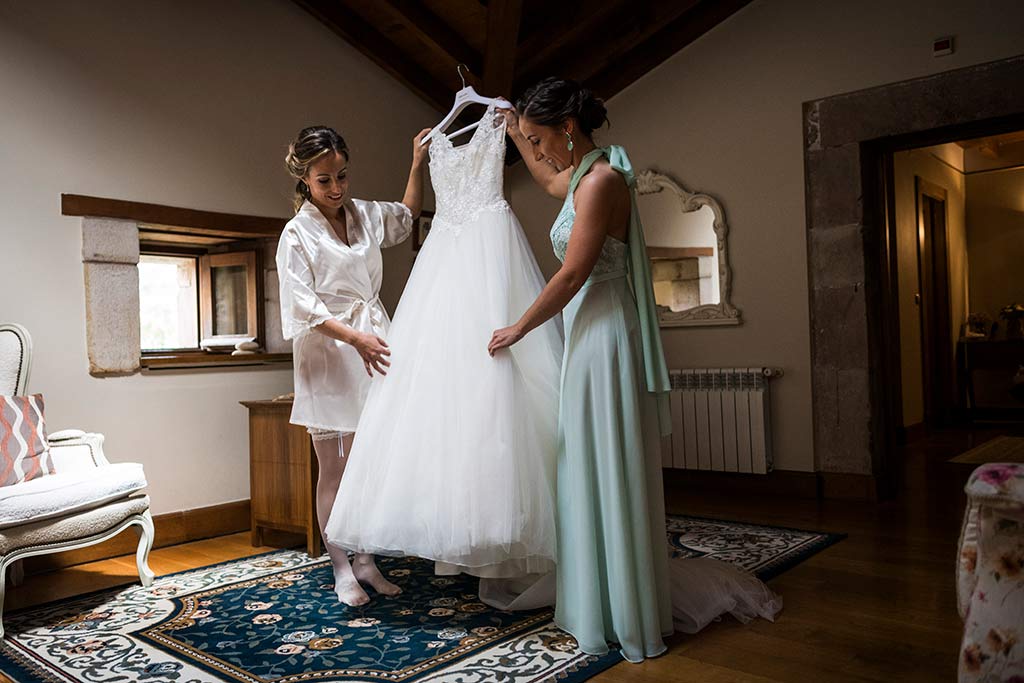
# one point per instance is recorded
(640, 280)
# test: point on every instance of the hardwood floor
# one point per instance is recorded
(878, 606)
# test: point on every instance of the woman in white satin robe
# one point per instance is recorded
(330, 270)
(323, 278)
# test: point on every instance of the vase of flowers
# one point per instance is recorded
(1014, 317)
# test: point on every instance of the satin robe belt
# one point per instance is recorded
(603, 277)
(352, 310)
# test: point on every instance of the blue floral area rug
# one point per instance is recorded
(765, 551)
(275, 618)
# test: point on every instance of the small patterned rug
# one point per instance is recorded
(275, 618)
(999, 449)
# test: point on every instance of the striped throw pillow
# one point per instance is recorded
(24, 453)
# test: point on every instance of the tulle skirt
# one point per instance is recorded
(703, 589)
(454, 456)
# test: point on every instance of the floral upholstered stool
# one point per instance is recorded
(990, 576)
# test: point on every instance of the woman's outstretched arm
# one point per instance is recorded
(555, 183)
(413, 197)
(597, 195)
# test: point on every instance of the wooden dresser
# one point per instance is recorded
(282, 474)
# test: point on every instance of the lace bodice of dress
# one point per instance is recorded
(468, 179)
(613, 251)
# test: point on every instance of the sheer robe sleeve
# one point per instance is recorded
(391, 222)
(301, 308)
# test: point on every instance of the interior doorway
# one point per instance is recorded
(957, 241)
(859, 306)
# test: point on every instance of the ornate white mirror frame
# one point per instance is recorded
(722, 313)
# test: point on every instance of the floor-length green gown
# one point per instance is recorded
(612, 582)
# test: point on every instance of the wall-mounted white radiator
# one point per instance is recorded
(721, 420)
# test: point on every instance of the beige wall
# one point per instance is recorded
(724, 116)
(191, 103)
(926, 164)
(188, 103)
(995, 239)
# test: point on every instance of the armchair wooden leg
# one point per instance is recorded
(146, 534)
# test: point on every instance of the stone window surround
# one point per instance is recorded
(853, 371)
(110, 257)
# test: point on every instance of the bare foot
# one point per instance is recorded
(347, 588)
(365, 570)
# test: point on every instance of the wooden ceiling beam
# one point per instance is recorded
(375, 45)
(626, 30)
(607, 47)
(624, 69)
(434, 32)
(565, 29)
(503, 18)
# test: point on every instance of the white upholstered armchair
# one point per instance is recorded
(86, 500)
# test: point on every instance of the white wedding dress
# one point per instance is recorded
(454, 456)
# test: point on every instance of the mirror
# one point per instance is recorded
(686, 244)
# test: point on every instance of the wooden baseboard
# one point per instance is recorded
(174, 528)
(776, 483)
(787, 483)
(171, 528)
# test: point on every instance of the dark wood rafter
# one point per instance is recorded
(540, 53)
(666, 42)
(607, 47)
(508, 45)
(503, 17)
(376, 46)
(503, 20)
(432, 31)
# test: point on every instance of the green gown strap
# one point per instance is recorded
(655, 367)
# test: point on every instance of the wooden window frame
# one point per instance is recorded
(208, 228)
(253, 290)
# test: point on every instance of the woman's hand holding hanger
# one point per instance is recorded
(506, 109)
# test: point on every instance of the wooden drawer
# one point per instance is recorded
(282, 474)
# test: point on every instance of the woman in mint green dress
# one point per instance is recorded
(612, 556)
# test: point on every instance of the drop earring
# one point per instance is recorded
(568, 136)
